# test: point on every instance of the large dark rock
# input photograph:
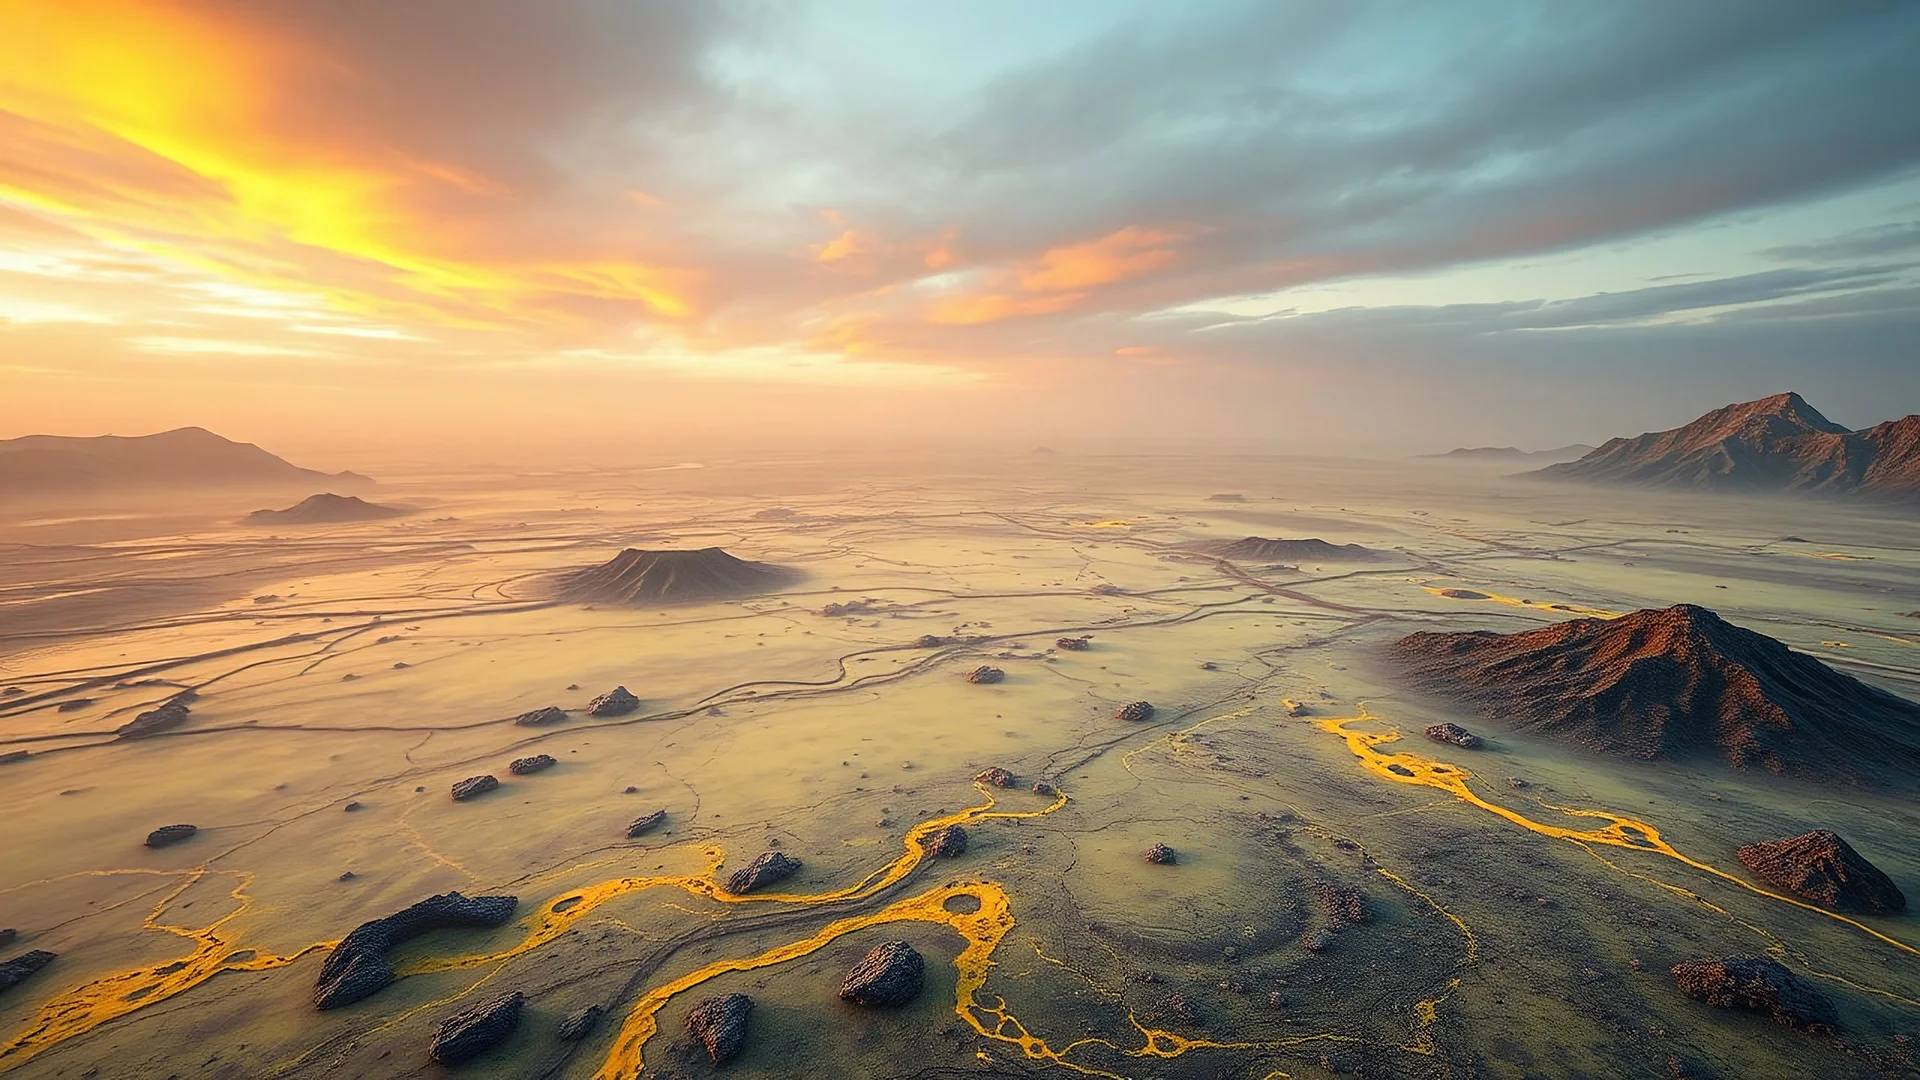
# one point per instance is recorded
(360, 966)
(1760, 985)
(20, 968)
(646, 824)
(474, 785)
(720, 1023)
(769, 868)
(947, 842)
(476, 1029)
(581, 1024)
(986, 673)
(1455, 734)
(170, 834)
(998, 777)
(524, 766)
(615, 702)
(1135, 711)
(552, 714)
(1825, 869)
(891, 974)
(154, 721)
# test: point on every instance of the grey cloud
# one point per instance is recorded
(1860, 244)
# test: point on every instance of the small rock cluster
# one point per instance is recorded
(1161, 855)
(1074, 644)
(615, 702)
(528, 765)
(985, 673)
(998, 777)
(472, 786)
(1134, 711)
(720, 1023)
(646, 824)
(476, 1029)
(770, 868)
(552, 714)
(17, 970)
(1455, 734)
(170, 834)
(948, 842)
(154, 721)
(891, 974)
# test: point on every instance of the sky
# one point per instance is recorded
(1305, 227)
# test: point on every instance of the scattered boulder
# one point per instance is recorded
(996, 776)
(353, 806)
(170, 834)
(476, 1029)
(154, 721)
(1135, 711)
(646, 824)
(552, 714)
(17, 970)
(891, 974)
(720, 1023)
(360, 965)
(1825, 869)
(1758, 984)
(864, 606)
(948, 842)
(472, 786)
(1161, 855)
(986, 673)
(528, 765)
(1074, 644)
(770, 868)
(931, 641)
(75, 705)
(1455, 734)
(1041, 787)
(615, 702)
(581, 1024)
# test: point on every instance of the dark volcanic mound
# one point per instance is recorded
(1260, 549)
(635, 577)
(1760, 985)
(359, 966)
(1674, 683)
(1825, 869)
(326, 509)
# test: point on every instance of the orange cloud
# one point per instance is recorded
(844, 246)
(1128, 253)
(973, 310)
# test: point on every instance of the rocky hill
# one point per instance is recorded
(636, 577)
(326, 509)
(183, 458)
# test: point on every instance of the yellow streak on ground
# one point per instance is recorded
(1618, 830)
(1426, 1013)
(87, 1007)
(1103, 524)
(1837, 555)
(1572, 609)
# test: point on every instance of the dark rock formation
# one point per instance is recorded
(948, 842)
(360, 966)
(476, 1029)
(997, 776)
(985, 673)
(770, 868)
(1464, 594)
(7, 935)
(1760, 985)
(891, 974)
(638, 578)
(1340, 904)
(720, 1023)
(615, 702)
(1041, 787)
(472, 786)
(1779, 443)
(17, 970)
(646, 824)
(527, 765)
(1674, 683)
(73, 706)
(552, 714)
(326, 509)
(354, 806)
(170, 834)
(1455, 734)
(581, 1024)
(1074, 644)
(166, 717)
(8, 757)
(1135, 711)
(1823, 868)
(931, 641)
(1161, 855)
(183, 458)
(865, 606)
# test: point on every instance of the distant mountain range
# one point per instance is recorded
(1511, 455)
(327, 509)
(183, 458)
(1779, 443)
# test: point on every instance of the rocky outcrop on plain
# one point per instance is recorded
(890, 975)
(770, 868)
(326, 509)
(1823, 868)
(1760, 985)
(476, 1029)
(998, 777)
(1455, 734)
(1074, 644)
(527, 766)
(552, 714)
(361, 965)
(615, 702)
(165, 717)
(1340, 904)
(637, 578)
(167, 835)
(720, 1023)
(1674, 683)
(947, 842)
(646, 823)
(576, 1026)
(19, 969)
(1161, 855)
(1134, 711)
(474, 785)
(985, 673)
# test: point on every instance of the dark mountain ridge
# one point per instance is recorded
(188, 457)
